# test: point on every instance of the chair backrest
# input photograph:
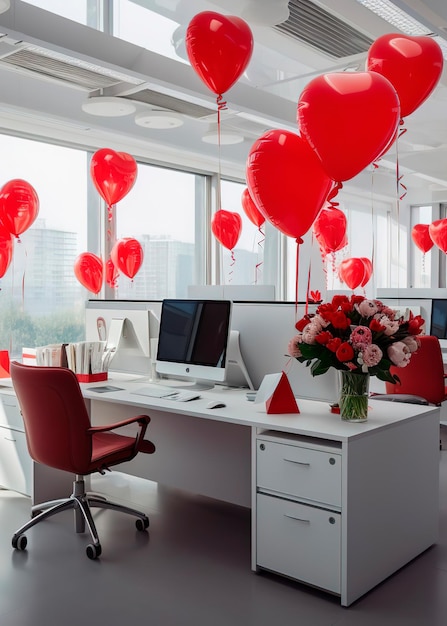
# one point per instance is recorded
(424, 374)
(55, 416)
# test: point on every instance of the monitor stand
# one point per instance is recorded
(237, 374)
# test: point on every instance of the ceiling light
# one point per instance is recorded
(265, 12)
(159, 120)
(227, 137)
(108, 106)
(4, 5)
(396, 17)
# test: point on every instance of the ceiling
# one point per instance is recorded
(50, 66)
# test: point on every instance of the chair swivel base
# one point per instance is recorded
(81, 503)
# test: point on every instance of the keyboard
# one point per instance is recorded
(167, 393)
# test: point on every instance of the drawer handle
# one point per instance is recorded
(297, 519)
(297, 462)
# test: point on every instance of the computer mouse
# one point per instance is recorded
(215, 404)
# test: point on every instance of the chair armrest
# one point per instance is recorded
(143, 420)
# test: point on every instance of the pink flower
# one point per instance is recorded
(367, 308)
(309, 333)
(411, 343)
(390, 327)
(361, 336)
(399, 354)
(372, 355)
(293, 349)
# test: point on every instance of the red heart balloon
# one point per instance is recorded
(6, 249)
(412, 64)
(127, 256)
(226, 227)
(19, 206)
(286, 181)
(89, 269)
(330, 230)
(421, 236)
(351, 271)
(349, 119)
(113, 174)
(438, 233)
(251, 210)
(368, 270)
(219, 48)
(111, 274)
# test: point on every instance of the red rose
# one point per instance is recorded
(345, 352)
(376, 326)
(333, 344)
(338, 301)
(415, 325)
(300, 325)
(339, 320)
(323, 337)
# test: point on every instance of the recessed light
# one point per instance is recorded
(226, 137)
(159, 120)
(108, 106)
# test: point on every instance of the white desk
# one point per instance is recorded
(336, 505)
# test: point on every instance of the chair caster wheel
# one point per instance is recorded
(19, 542)
(93, 551)
(142, 524)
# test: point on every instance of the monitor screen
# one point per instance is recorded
(193, 338)
(438, 322)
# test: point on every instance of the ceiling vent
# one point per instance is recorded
(171, 103)
(60, 67)
(313, 25)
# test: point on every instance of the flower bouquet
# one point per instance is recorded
(359, 337)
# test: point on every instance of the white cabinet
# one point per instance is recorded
(16, 466)
(298, 503)
(345, 506)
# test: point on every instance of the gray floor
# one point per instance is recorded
(191, 569)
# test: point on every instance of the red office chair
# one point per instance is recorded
(59, 435)
(424, 375)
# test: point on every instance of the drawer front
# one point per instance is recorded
(9, 412)
(300, 472)
(299, 541)
(16, 466)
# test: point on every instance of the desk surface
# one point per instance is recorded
(314, 419)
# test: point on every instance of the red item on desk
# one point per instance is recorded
(282, 399)
(4, 364)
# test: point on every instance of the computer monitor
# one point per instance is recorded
(438, 321)
(128, 330)
(193, 341)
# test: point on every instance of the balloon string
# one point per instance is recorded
(260, 249)
(333, 194)
(233, 261)
(109, 212)
(309, 270)
(221, 106)
(298, 241)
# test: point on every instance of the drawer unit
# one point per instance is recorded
(16, 466)
(10, 412)
(299, 541)
(299, 471)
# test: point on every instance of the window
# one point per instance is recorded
(41, 300)
(245, 265)
(81, 11)
(421, 263)
(165, 212)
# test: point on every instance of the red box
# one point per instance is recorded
(91, 378)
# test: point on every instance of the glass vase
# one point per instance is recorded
(354, 394)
